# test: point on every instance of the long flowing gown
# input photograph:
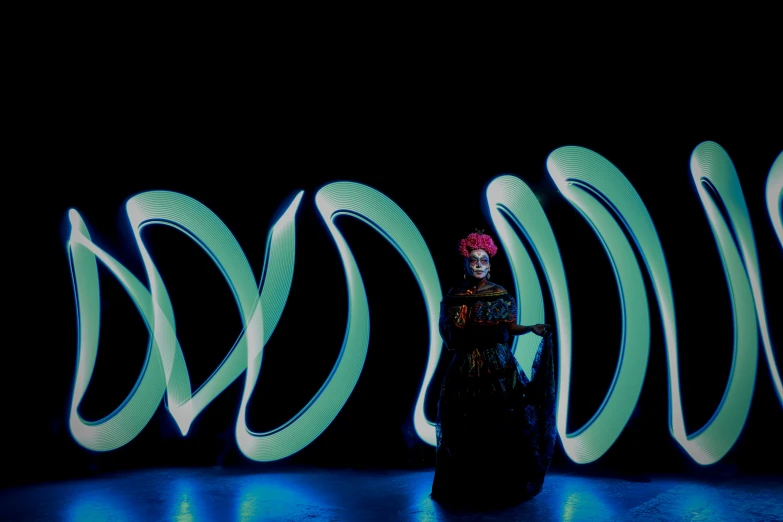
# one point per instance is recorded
(496, 426)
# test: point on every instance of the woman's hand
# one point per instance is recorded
(540, 329)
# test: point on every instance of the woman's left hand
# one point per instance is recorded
(541, 329)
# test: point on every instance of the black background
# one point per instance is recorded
(244, 140)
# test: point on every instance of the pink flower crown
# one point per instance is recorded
(477, 240)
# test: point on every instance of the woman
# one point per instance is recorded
(496, 426)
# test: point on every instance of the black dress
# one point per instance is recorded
(496, 426)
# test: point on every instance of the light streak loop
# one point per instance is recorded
(124, 423)
(604, 197)
(713, 171)
(165, 367)
(774, 198)
(510, 200)
(387, 218)
(712, 167)
(595, 187)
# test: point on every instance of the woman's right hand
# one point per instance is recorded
(540, 329)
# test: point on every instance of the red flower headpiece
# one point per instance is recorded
(477, 239)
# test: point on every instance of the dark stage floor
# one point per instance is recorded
(296, 493)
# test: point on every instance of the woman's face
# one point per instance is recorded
(477, 263)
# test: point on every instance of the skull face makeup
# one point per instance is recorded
(477, 263)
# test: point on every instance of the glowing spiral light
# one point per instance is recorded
(388, 219)
(712, 168)
(713, 171)
(579, 172)
(604, 197)
(775, 196)
(165, 368)
(260, 307)
(124, 423)
(589, 182)
(511, 200)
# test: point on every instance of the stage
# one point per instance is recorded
(234, 316)
(302, 493)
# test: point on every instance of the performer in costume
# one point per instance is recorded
(496, 426)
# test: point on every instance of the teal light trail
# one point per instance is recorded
(607, 200)
(165, 368)
(775, 196)
(387, 218)
(510, 200)
(589, 182)
(713, 169)
(713, 173)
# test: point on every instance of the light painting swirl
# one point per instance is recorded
(589, 182)
(165, 368)
(607, 200)
(714, 176)
(389, 220)
(775, 196)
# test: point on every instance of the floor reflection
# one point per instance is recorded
(585, 498)
(98, 505)
(222, 494)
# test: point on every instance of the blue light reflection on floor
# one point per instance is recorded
(223, 494)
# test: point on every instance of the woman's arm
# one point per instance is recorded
(520, 329)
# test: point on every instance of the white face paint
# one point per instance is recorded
(477, 263)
